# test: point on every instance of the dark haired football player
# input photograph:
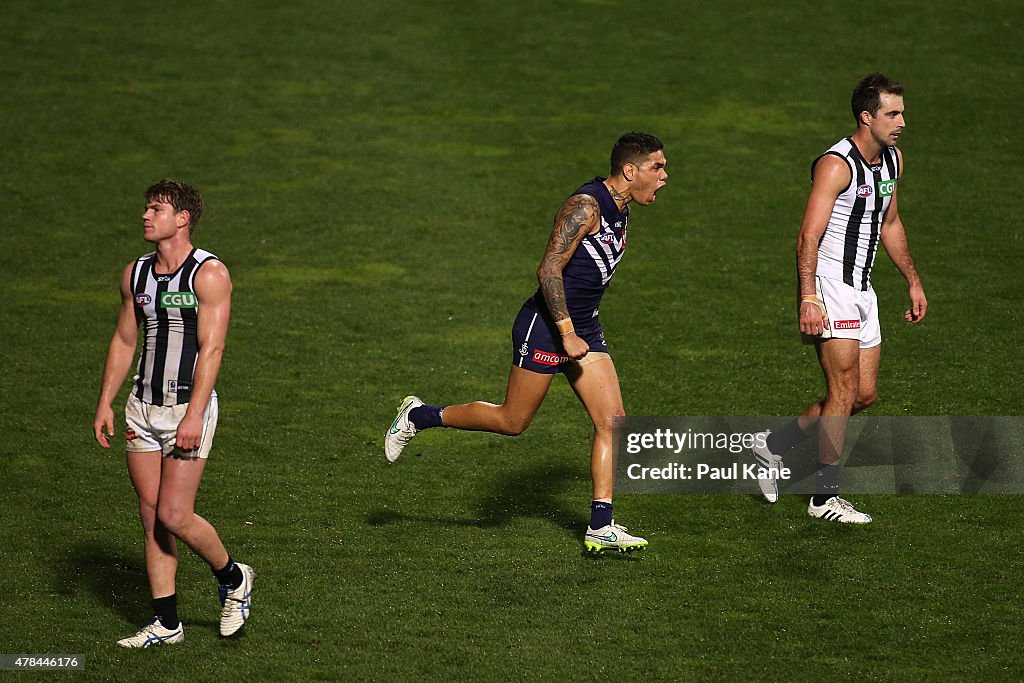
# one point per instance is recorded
(558, 330)
(851, 209)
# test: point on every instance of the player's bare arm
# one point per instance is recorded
(831, 176)
(119, 361)
(577, 218)
(213, 290)
(894, 238)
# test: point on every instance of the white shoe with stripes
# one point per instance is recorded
(770, 464)
(836, 509)
(236, 603)
(154, 633)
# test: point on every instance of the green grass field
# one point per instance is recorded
(381, 179)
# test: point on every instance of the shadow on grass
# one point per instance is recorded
(531, 492)
(114, 580)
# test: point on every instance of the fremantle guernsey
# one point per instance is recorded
(591, 267)
(848, 247)
(168, 307)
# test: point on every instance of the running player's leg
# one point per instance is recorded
(523, 397)
(597, 385)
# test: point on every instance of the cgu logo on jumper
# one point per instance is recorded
(178, 300)
(886, 187)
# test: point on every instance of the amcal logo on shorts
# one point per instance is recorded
(548, 358)
(864, 191)
(846, 324)
(143, 299)
(178, 300)
(886, 187)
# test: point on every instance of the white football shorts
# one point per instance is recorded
(852, 313)
(154, 428)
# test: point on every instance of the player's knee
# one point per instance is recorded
(173, 518)
(514, 426)
(147, 515)
(865, 399)
(608, 422)
(845, 387)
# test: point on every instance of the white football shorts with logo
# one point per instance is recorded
(154, 428)
(852, 313)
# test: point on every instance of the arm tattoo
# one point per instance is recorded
(575, 220)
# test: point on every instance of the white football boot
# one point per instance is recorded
(771, 463)
(836, 509)
(612, 537)
(236, 603)
(402, 429)
(154, 633)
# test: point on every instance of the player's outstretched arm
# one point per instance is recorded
(119, 361)
(578, 217)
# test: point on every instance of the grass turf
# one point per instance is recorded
(380, 181)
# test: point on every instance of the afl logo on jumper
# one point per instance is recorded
(864, 191)
(143, 299)
(178, 300)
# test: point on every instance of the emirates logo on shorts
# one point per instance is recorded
(846, 324)
(130, 435)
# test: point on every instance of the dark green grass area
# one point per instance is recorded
(380, 179)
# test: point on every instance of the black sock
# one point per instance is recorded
(425, 417)
(786, 438)
(600, 514)
(828, 484)
(230, 575)
(167, 609)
